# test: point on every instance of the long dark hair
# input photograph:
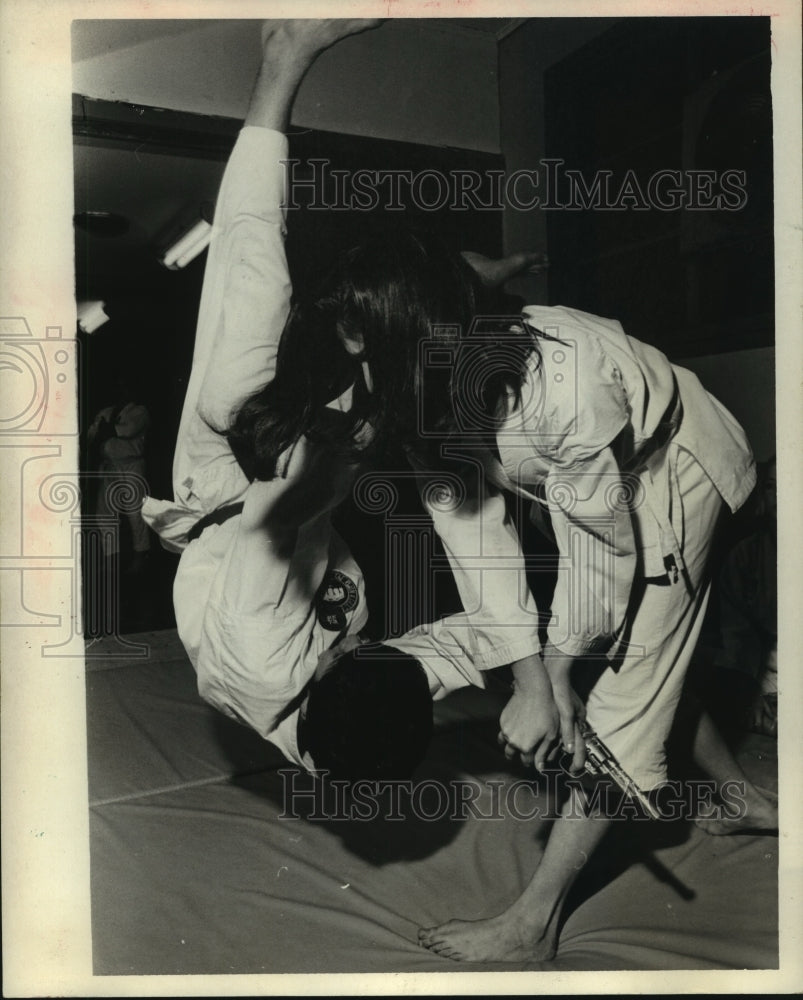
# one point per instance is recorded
(406, 295)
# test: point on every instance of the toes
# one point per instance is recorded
(429, 938)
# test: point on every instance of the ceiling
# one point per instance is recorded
(497, 26)
(206, 67)
(96, 37)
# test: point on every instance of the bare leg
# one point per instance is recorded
(712, 754)
(528, 929)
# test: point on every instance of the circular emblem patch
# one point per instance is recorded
(336, 597)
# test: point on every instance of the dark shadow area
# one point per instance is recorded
(399, 821)
(642, 104)
(246, 750)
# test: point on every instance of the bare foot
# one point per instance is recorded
(757, 815)
(497, 939)
(289, 48)
(314, 34)
(494, 273)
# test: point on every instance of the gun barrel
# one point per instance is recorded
(603, 761)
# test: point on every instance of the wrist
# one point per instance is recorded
(555, 661)
(530, 677)
(536, 691)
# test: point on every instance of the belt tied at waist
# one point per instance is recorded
(219, 516)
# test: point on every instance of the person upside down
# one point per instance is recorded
(287, 405)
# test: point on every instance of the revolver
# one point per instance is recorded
(601, 761)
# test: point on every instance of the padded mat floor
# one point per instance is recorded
(203, 862)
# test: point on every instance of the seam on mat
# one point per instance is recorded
(198, 783)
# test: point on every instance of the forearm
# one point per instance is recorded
(557, 667)
(485, 555)
(530, 677)
(557, 661)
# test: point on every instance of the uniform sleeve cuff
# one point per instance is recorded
(501, 656)
(596, 646)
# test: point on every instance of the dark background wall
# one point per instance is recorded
(650, 94)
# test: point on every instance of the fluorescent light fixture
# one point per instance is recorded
(91, 315)
(188, 246)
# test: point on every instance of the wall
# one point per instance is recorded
(523, 57)
(407, 80)
(744, 381)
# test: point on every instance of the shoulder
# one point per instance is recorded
(580, 392)
(563, 322)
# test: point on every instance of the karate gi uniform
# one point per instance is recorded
(254, 665)
(632, 460)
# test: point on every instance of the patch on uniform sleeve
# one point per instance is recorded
(336, 597)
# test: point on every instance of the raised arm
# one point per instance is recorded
(246, 293)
